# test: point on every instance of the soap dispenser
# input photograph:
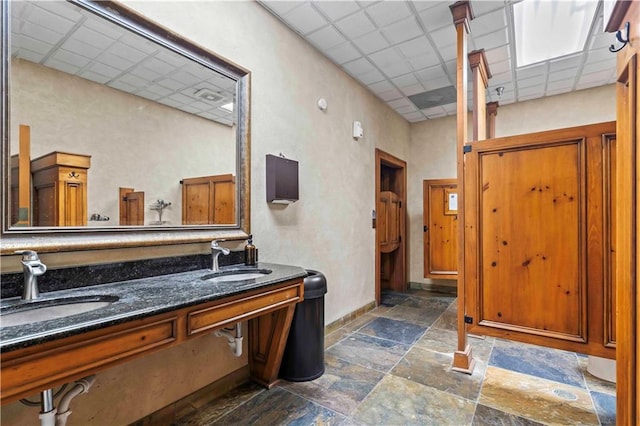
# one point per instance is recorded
(250, 253)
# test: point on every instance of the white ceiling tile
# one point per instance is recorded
(305, 19)
(529, 97)
(488, 23)
(93, 38)
(492, 40)
(359, 66)
(416, 47)
(500, 67)
(405, 109)
(343, 53)
(483, 7)
(115, 61)
(531, 71)
(538, 81)
(355, 25)
(386, 57)
(42, 34)
(436, 83)
(560, 84)
(50, 21)
(414, 116)
(371, 77)
(86, 50)
(336, 9)
(326, 38)
(564, 63)
(424, 61)
(90, 75)
(140, 44)
(390, 95)
(430, 74)
(133, 80)
(371, 42)
(448, 53)
(444, 37)
(498, 54)
(451, 108)
(281, 7)
(559, 91)
(405, 80)
(402, 31)
(437, 16)
(600, 55)
(29, 55)
(396, 69)
(590, 67)
(71, 58)
(563, 74)
(380, 87)
(602, 41)
(62, 66)
(500, 79)
(33, 45)
(121, 85)
(401, 103)
(386, 12)
(434, 112)
(412, 90)
(171, 84)
(103, 27)
(531, 91)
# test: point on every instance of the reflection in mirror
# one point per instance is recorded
(108, 128)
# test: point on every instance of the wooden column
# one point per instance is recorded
(462, 358)
(24, 177)
(627, 211)
(481, 76)
(492, 112)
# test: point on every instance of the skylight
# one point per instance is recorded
(547, 29)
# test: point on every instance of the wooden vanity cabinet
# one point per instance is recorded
(60, 189)
(268, 310)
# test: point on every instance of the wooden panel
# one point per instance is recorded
(208, 200)
(218, 316)
(440, 229)
(389, 221)
(32, 373)
(536, 206)
(131, 207)
(610, 195)
(531, 240)
(627, 219)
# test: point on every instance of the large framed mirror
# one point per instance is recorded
(117, 132)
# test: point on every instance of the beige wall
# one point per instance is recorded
(433, 147)
(328, 229)
(131, 140)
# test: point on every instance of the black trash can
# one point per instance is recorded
(303, 358)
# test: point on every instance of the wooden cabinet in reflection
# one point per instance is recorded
(209, 200)
(60, 189)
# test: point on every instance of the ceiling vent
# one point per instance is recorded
(434, 98)
(208, 95)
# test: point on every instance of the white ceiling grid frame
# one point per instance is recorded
(401, 39)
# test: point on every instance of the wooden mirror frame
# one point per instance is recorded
(74, 239)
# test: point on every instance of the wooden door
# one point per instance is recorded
(440, 226)
(208, 200)
(73, 206)
(627, 218)
(131, 207)
(535, 227)
(390, 245)
(389, 221)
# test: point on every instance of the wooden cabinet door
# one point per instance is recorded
(440, 221)
(535, 232)
(73, 206)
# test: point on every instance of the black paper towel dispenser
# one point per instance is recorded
(282, 180)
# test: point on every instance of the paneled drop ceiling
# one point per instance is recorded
(399, 49)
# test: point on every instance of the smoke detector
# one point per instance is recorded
(208, 95)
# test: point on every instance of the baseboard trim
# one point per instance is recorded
(346, 319)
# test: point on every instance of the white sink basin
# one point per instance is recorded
(236, 275)
(44, 310)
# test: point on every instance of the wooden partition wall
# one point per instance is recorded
(537, 212)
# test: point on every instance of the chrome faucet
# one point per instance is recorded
(215, 252)
(33, 268)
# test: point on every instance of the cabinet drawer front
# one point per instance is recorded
(240, 310)
(70, 361)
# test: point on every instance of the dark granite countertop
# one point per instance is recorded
(137, 299)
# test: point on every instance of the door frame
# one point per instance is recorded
(386, 159)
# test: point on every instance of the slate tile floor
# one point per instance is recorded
(391, 366)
